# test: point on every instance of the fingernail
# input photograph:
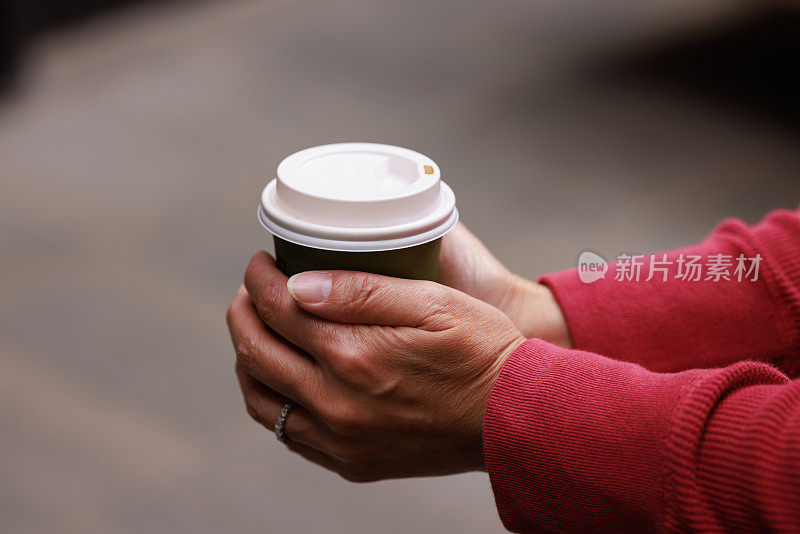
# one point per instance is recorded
(312, 286)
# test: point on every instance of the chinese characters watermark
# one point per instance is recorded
(663, 267)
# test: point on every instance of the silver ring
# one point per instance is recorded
(280, 424)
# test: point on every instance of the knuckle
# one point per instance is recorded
(359, 289)
(366, 287)
(267, 292)
(343, 420)
(440, 306)
(353, 366)
(366, 369)
(362, 371)
(270, 296)
(246, 349)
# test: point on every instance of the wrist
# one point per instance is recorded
(535, 312)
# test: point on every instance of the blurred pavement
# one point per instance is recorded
(131, 162)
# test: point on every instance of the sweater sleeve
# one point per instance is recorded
(677, 323)
(575, 441)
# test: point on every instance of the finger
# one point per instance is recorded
(264, 405)
(464, 256)
(267, 288)
(356, 297)
(459, 241)
(269, 358)
(454, 255)
(455, 238)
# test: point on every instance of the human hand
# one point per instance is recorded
(391, 376)
(467, 265)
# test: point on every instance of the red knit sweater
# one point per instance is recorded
(632, 441)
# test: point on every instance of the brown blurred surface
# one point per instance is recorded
(131, 160)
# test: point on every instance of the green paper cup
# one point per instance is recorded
(419, 263)
(358, 206)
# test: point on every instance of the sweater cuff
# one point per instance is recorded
(573, 440)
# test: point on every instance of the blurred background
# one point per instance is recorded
(135, 138)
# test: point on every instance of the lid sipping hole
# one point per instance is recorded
(398, 172)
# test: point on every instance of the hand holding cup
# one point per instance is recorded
(467, 265)
(391, 376)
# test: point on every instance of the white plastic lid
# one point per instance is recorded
(358, 197)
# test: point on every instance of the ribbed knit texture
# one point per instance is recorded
(575, 441)
(677, 325)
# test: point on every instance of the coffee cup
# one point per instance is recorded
(359, 207)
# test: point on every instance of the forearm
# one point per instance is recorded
(576, 441)
(680, 324)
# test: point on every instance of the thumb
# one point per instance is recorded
(356, 297)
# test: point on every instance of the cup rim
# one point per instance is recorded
(374, 245)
